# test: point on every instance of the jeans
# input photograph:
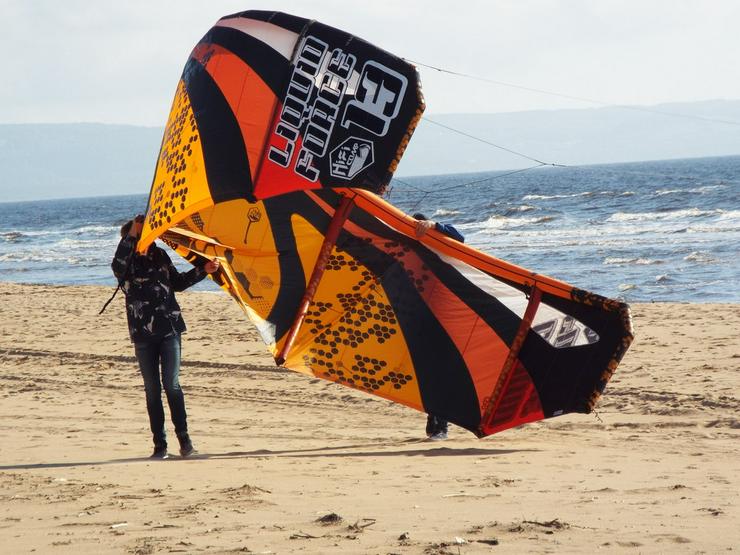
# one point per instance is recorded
(167, 352)
(436, 425)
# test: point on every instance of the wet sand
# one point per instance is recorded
(292, 464)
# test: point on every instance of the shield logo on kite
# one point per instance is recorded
(351, 157)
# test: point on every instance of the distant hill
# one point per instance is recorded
(573, 137)
(86, 159)
(40, 161)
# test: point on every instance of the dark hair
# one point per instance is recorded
(419, 216)
(125, 228)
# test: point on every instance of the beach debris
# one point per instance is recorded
(300, 535)
(549, 525)
(492, 541)
(555, 523)
(405, 536)
(329, 519)
(442, 549)
(118, 525)
(245, 490)
(361, 524)
(145, 547)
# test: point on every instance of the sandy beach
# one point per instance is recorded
(292, 464)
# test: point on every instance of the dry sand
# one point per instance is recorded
(657, 471)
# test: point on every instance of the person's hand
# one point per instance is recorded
(422, 226)
(135, 230)
(211, 266)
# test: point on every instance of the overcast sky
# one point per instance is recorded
(119, 62)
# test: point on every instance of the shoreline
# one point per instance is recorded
(217, 290)
(279, 451)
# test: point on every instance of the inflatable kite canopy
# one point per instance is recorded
(269, 103)
(281, 136)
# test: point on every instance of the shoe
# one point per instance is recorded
(439, 436)
(187, 449)
(159, 453)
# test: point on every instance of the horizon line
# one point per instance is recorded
(417, 176)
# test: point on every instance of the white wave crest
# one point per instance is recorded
(578, 195)
(550, 197)
(635, 261)
(663, 216)
(445, 212)
(695, 190)
(98, 243)
(700, 257)
(97, 229)
(35, 233)
(729, 215)
(522, 208)
(497, 222)
(48, 257)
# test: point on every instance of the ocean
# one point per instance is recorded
(641, 232)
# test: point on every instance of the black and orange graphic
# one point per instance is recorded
(282, 134)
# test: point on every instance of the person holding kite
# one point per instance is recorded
(155, 324)
(436, 427)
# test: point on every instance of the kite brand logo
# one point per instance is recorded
(328, 90)
(315, 92)
(351, 157)
(378, 99)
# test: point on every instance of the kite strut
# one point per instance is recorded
(332, 233)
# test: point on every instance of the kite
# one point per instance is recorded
(282, 137)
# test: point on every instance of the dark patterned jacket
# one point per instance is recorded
(150, 282)
(450, 231)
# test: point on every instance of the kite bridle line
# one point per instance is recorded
(541, 163)
(571, 97)
(467, 183)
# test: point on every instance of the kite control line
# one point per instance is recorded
(120, 283)
(113, 296)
